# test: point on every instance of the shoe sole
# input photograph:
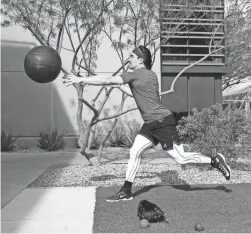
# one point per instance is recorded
(224, 160)
(123, 199)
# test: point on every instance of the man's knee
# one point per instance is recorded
(176, 156)
(133, 152)
(180, 160)
(138, 149)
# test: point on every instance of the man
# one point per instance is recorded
(160, 124)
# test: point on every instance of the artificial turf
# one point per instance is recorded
(219, 208)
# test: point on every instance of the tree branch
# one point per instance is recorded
(99, 92)
(110, 38)
(69, 36)
(113, 116)
(40, 10)
(61, 29)
(87, 34)
(78, 34)
(95, 111)
(102, 145)
(77, 63)
(184, 69)
(104, 101)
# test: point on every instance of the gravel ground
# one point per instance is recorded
(114, 174)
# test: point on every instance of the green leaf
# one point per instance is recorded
(51, 140)
(8, 141)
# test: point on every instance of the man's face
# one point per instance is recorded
(134, 61)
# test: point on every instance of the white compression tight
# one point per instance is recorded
(181, 157)
(141, 144)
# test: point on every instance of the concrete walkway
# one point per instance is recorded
(42, 210)
(20, 169)
(50, 210)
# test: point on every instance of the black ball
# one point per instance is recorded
(198, 227)
(42, 64)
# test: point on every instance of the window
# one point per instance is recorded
(189, 32)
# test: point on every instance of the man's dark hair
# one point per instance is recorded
(147, 57)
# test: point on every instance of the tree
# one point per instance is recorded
(238, 42)
(81, 21)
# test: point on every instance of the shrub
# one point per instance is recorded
(51, 140)
(216, 130)
(118, 136)
(98, 136)
(133, 129)
(8, 141)
(124, 134)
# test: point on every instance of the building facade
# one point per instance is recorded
(192, 41)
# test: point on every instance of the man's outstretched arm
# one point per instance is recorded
(125, 89)
(94, 80)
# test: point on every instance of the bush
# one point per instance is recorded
(8, 141)
(118, 136)
(133, 129)
(98, 136)
(124, 134)
(216, 130)
(51, 140)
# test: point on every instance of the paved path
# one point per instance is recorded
(46, 210)
(42, 210)
(20, 169)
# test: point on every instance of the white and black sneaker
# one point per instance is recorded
(120, 196)
(219, 162)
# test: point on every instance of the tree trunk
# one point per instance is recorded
(102, 145)
(92, 134)
(80, 90)
(84, 151)
(247, 108)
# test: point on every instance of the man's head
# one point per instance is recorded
(140, 57)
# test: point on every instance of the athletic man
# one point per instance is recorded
(159, 123)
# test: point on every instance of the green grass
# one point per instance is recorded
(219, 208)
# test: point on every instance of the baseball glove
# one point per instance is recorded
(150, 211)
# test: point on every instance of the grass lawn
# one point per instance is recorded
(219, 208)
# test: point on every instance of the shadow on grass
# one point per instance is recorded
(189, 188)
(166, 177)
(171, 178)
(146, 189)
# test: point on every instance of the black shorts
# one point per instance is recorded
(161, 131)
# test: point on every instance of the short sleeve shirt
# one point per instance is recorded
(145, 89)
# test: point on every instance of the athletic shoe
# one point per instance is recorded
(120, 196)
(219, 162)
